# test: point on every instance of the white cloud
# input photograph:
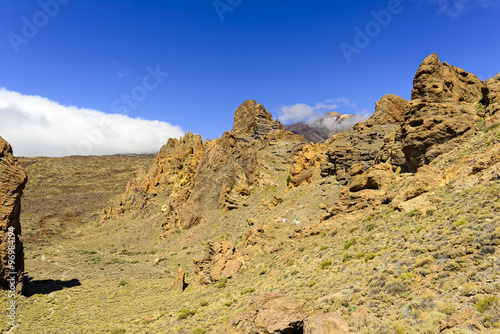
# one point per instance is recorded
(314, 115)
(36, 126)
(454, 8)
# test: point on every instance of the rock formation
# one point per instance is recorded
(179, 282)
(491, 99)
(373, 141)
(12, 182)
(220, 261)
(274, 313)
(446, 104)
(269, 313)
(189, 177)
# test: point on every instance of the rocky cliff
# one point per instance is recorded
(12, 182)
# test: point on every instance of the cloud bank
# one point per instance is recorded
(315, 115)
(36, 126)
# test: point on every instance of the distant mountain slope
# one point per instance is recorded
(323, 128)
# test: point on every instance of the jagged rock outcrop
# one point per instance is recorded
(251, 118)
(373, 141)
(189, 177)
(446, 104)
(491, 97)
(221, 260)
(171, 173)
(366, 188)
(12, 182)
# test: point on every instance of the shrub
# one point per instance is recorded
(247, 290)
(185, 313)
(359, 255)
(199, 331)
(460, 222)
(347, 257)
(262, 272)
(370, 227)
(122, 283)
(203, 303)
(322, 248)
(484, 303)
(349, 243)
(325, 264)
(118, 331)
(369, 257)
(312, 283)
(221, 284)
(288, 179)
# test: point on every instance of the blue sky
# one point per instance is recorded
(181, 64)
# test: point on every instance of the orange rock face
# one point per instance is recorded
(12, 182)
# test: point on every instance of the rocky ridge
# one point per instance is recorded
(190, 177)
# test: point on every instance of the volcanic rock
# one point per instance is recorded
(189, 178)
(12, 182)
(220, 261)
(269, 313)
(492, 100)
(179, 282)
(251, 118)
(326, 323)
(443, 111)
(373, 141)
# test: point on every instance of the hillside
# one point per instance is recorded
(391, 227)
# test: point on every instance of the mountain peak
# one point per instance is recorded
(251, 118)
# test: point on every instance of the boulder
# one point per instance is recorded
(269, 313)
(326, 323)
(220, 261)
(12, 182)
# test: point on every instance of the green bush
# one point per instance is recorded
(262, 272)
(247, 290)
(369, 257)
(347, 257)
(185, 313)
(349, 243)
(325, 264)
(203, 303)
(221, 284)
(485, 303)
(322, 248)
(370, 227)
(359, 255)
(288, 179)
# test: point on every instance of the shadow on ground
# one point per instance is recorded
(46, 286)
